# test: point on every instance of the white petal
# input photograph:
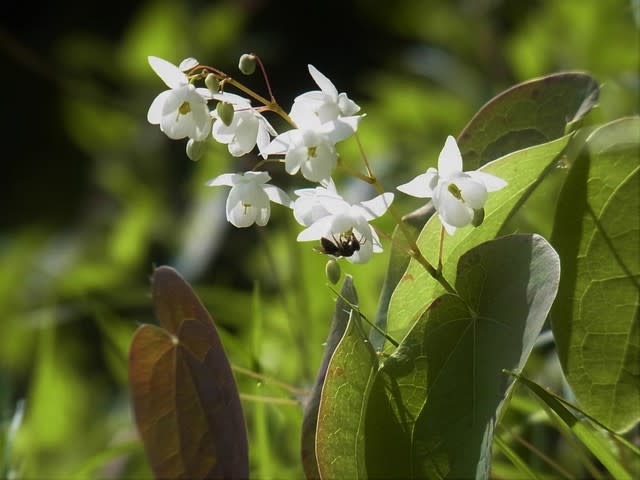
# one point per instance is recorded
(188, 64)
(277, 195)
(450, 159)
(280, 144)
(204, 93)
(168, 72)
(491, 182)
(453, 211)
(154, 115)
(422, 186)
(376, 207)
(316, 231)
(323, 82)
(224, 179)
(294, 159)
(346, 105)
(338, 130)
(262, 216)
(232, 98)
(474, 194)
(449, 228)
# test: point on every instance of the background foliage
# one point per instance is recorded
(92, 196)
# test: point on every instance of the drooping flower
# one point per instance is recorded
(320, 106)
(250, 196)
(314, 203)
(182, 110)
(456, 195)
(247, 129)
(342, 228)
(312, 150)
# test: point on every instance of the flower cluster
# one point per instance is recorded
(319, 120)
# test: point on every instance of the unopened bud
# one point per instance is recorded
(247, 63)
(195, 150)
(478, 217)
(225, 112)
(332, 269)
(212, 83)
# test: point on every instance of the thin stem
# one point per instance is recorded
(278, 400)
(392, 340)
(266, 77)
(267, 160)
(414, 250)
(272, 105)
(265, 379)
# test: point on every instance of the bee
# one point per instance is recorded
(344, 246)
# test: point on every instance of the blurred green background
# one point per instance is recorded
(93, 197)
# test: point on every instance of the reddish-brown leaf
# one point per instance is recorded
(185, 399)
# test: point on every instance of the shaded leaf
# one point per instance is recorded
(310, 418)
(185, 399)
(597, 233)
(531, 113)
(340, 436)
(417, 289)
(446, 385)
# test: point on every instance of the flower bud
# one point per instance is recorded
(247, 63)
(332, 269)
(212, 83)
(225, 112)
(478, 217)
(195, 150)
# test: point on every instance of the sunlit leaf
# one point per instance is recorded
(340, 435)
(596, 319)
(417, 289)
(310, 419)
(185, 399)
(527, 114)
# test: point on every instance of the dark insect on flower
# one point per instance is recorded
(343, 246)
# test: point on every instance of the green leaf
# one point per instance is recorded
(445, 385)
(340, 436)
(531, 113)
(597, 233)
(417, 289)
(510, 283)
(586, 433)
(185, 399)
(341, 315)
(398, 262)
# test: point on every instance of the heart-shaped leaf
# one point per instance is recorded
(185, 399)
(445, 385)
(596, 319)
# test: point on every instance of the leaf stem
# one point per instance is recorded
(414, 250)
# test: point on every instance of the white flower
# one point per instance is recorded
(455, 194)
(181, 111)
(312, 150)
(314, 108)
(247, 128)
(314, 203)
(339, 224)
(248, 200)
